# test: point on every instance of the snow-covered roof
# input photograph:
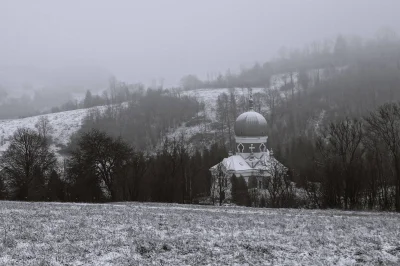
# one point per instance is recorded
(236, 163)
(249, 164)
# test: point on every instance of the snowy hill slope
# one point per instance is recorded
(64, 125)
(69, 122)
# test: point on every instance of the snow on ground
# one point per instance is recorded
(171, 234)
(64, 125)
(209, 97)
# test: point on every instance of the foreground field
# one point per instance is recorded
(161, 234)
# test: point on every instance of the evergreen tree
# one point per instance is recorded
(88, 101)
(240, 193)
(234, 189)
(252, 182)
(263, 202)
(55, 188)
(3, 189)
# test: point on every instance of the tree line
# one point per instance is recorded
(357, 162)
(355, 165)
(102, 168)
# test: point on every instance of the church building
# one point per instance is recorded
(251, 159)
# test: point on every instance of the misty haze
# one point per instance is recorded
(199, 132)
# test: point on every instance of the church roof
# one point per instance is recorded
(239, 165)
(250, 124)
(236, 163)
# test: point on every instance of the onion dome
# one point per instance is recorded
(251, 123)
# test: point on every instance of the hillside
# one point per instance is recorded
(63, 123)
(68, 122)
(172, 234)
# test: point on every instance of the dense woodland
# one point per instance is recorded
(335, 124)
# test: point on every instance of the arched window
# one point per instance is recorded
(262, 147)
(240, 148)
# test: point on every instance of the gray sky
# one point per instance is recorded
(141, 40)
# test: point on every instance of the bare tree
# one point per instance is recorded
(272, 99)
(277, 184)
(379, 174)
(340, 145)
(44, 127)
(103, 156)
(219, 184)
(384, 124)
(27, 160)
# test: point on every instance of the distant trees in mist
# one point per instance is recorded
(54, 100)
(146, 119)
(318, 55)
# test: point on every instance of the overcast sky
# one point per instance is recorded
(141, 40)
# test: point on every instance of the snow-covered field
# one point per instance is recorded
(162, 234)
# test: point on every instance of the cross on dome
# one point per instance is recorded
(251, 99)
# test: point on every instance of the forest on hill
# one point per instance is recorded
(335, 124)
(321, 56)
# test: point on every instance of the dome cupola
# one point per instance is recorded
(251, 131)
(250, 124)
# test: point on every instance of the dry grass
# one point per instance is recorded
(161, 234)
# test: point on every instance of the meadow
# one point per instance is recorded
(171, 234)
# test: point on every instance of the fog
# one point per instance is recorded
(139, 41)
